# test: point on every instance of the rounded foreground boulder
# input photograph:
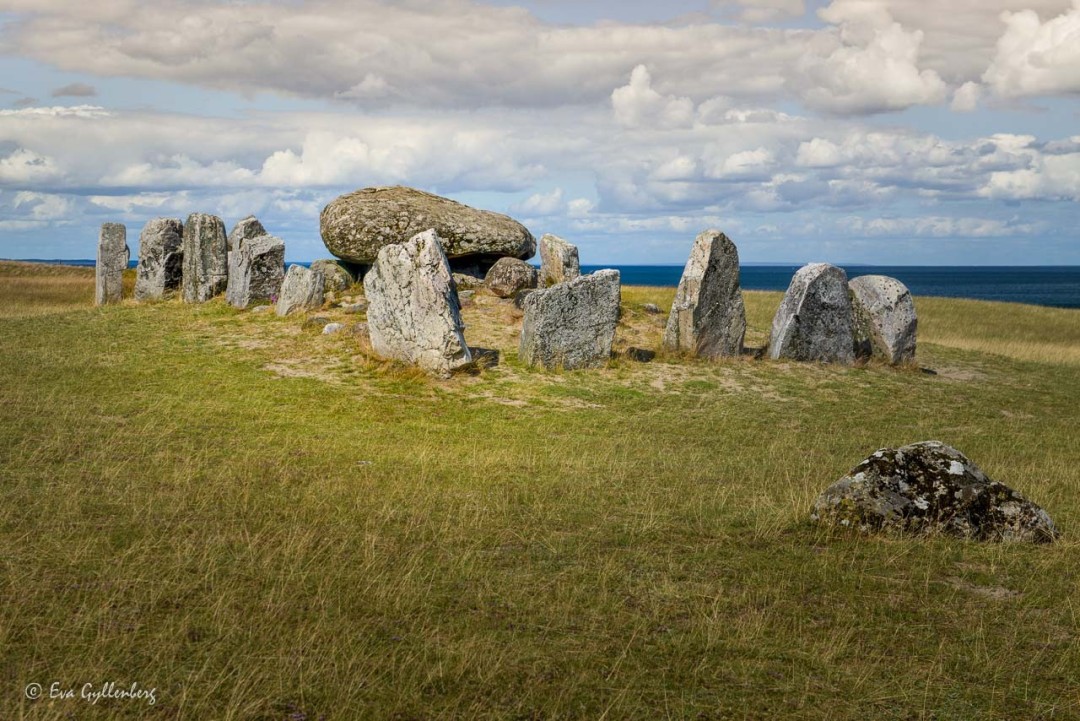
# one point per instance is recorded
(510, 275)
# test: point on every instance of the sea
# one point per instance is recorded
(1056, 286)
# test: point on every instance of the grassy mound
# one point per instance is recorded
(262, 522)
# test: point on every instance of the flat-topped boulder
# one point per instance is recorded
(206, 260)
(508, 276)
(249, 227)
(572, 324)
(355, 226)
(414, 314)
(930, 488)
(814, 321)
(161, 259)
(335, 275)
(708, 317)
(256, 271)
(884, 319)
(112, 259)
(301, 290)
(559, 260)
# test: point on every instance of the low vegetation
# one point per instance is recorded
(263, 522)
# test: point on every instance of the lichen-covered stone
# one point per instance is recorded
(357, 225)
(559, 261)
(884, 320)
(256, 270)
(928, 488)
(814, 320)
(247, 228)
(302, 289)
(572, 324)
(335, 275)
(206, 260)
(510, 275)
(413, 310)
(707, 317)
(112, 259)
(161, 259)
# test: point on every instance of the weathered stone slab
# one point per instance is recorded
(413, 310)
(335, 275)
(206, 269)
(161, 259)
(112, 260)
(814, 321)
(249, 227)
(930, 488)
(708, 318)
(302, 289)
(884, 318)
(357, 225)
(508, 276)
(572, 324)
(256, 271)
(558, 261)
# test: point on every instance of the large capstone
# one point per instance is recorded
(161, 259)
(884, 318)
(206, 269)
(256, 271)
(413, 310)
(708, 318)
(813, 322)
(301, 290)
(930, 488)
(510, 275)
(335, 275)
(572, 324)
(357, 225)
(112, 260)
(249, 227)
(558, 261)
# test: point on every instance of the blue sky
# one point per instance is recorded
(850, 131)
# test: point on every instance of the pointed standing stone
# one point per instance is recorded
(413, 310)
(572, 324)
(558, 261)
(302, 289)
(249, 227)
(161, 259)
(814, 322)
(708, 318)
(112, 260)
(206, 270)
(256, 270)
(885, 321)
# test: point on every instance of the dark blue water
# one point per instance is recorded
(1038, 285)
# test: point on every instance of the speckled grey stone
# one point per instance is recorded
(571, 325)
(301, 290)
(814, 321)
(885, 323)
(256, 271)
(249, 227)
(336, 277)
(559, 261)
(206, 260)
(112, 259)
(161, 259)
(707, 317)
(508, 276)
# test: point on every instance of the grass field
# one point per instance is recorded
(261, 522)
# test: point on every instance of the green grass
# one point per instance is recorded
(266, 523)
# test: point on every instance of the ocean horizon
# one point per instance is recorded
(1045, 285)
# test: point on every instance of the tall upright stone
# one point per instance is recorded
(558, 261)
(414, 314)
(256, 271)
(884, 318)
(206, 270)
(572, 324)
(161, 259)
(302, 289)
(814, 321)
(708, 317)
(112, 259)
(249, 227)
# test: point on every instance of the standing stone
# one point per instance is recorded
(247, 228)
(413, 310)
(813, 322)
(508, 276)
(256, 270)
(161, 259)
(302, 289)
(884, 318)
(708, 318)
(335, 275)
(206, 269)
(558, 261)
(572, 324)
(112, 260)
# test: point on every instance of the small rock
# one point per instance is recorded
(641, 355)
(885, 324)
(112, 260)
(572, 324)
(329, 298)
(652, 309)
(262, 308)
(508, 276)
(814, 321)
(301, 290)
(558, 261)
(161, 259)
(360, 329)
(331, 328)
(354, 307)
(315, 322)
(336, 277)
(466, 281)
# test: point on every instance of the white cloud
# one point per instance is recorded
(23, 166)
(539, 205)
(966, 97)
(638, 105)
(579, 208)
(760, 11)
(1035, 57)
(43, 206)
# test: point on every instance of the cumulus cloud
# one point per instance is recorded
(1035, 57)
(966, 97)
(637, 104)
(540, 204)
